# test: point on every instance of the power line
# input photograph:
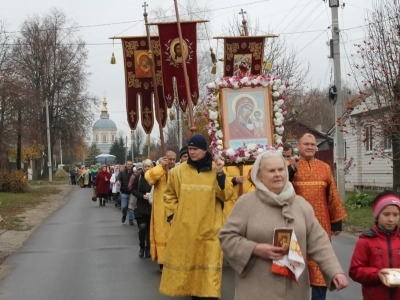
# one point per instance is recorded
(134, 21)
(351, 67)
(311, 42)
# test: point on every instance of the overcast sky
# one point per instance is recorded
(304, 24)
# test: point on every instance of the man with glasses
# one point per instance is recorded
(123, 182)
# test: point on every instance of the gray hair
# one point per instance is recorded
(147, 162)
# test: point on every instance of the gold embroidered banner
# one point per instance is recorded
(243, 55)
(139, 81)
(172, 53)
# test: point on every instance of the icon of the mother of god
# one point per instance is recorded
(242, 126)
(143, 67)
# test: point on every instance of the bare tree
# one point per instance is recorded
(377, 64)
(51, 59)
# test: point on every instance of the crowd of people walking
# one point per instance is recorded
(193, 213)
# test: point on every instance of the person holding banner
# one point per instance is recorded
(253, 237)
(193, 202)
(159, 227)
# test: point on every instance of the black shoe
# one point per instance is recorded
(131, 222)
(147, 253)
(123, 219)
(141, 252)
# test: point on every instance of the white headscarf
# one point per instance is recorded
(288, 190)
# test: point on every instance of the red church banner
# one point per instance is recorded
(244, 55)
(139, 82)
(171, 57)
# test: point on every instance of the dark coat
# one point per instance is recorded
(103, 185)
(139, 189)
(124, 177)
(374, 251)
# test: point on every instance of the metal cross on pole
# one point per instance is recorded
(145, 6)
(244, 22)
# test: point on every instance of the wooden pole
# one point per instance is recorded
(156, 96)
(193, 128)
(240, 184)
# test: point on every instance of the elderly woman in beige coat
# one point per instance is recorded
(247, 236)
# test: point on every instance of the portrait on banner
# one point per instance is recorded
(246, 117)
(242, 64)
(142, 64)
(177, 50)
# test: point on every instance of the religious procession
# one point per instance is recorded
(239, 193)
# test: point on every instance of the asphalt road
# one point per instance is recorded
(83, 252)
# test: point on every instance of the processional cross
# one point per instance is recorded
(145, 6)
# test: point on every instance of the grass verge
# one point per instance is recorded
(13, 204)
(359, 219)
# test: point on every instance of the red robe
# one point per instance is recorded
(237, 131)
(102, 186)
(315, 183)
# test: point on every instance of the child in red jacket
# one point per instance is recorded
(377, 249)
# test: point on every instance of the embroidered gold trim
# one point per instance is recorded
(310, 183)
(256, 49)
(193, 268)
(130, 47)
(196, 187)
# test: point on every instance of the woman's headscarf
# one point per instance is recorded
(288, 190)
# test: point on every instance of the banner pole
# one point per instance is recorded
(193, 127)
(156, 96)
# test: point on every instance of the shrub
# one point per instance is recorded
(66, 168)
(359, 200)
(14, 182)
(18, 182)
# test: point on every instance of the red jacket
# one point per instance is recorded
(374, 251)
(102, 185)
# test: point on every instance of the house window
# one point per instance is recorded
(97, 138)
(112, 138)
(368, 138)
(104, 138)
(387, 142)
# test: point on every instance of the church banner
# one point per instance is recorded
(171, 56)
(139, 81)
(243, 55)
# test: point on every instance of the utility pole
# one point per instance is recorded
(335, 55)
(126, 149)
(61, 152)
(49, 158)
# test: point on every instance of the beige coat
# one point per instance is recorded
(252, 221)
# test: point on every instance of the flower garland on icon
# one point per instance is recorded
(251, 151)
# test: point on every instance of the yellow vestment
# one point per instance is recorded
(234, 171)
(193, 256)
(158, 224)
(314, 181)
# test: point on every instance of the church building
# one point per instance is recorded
(104, 131)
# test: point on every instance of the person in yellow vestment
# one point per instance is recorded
(193, 203)
(159, 227)
(237, 180)
(313, 180)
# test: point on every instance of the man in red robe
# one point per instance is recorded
(242, 126)
(313, 180)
